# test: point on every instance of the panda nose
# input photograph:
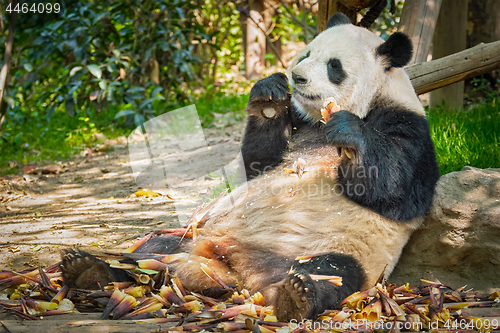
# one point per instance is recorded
(297, 79)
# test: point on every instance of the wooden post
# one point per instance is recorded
(418, 21)
(326, 8)
(450, 37)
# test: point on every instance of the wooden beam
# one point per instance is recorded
(478, 60)
(418, 21)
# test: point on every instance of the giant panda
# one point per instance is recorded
(359, 184)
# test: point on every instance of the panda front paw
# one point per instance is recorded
(269, 97)
(344, 130)
(295, 299)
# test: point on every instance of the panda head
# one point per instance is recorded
(355, 67)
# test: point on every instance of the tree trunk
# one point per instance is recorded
(450, 37)
(484, 20)
(273, 47)
(255, 41)
(483, 27)
(329, 7)
(418, 21)
(6, 61)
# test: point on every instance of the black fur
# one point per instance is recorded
(265, 139)
(163, 244)
(336, 73)
(397, 49)
(300, 297)
(395, 169)
(337, 19)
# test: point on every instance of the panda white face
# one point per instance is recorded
(343, 62)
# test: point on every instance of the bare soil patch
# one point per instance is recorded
(89, 202)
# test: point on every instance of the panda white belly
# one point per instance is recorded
(291, 216)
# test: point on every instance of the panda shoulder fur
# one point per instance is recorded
(364, 181)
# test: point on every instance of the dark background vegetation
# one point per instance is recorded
(107, 66)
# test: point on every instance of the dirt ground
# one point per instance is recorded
(89, 202)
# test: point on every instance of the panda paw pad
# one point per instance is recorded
(299, 289)
(269, 97)
(295, 299)
(82, 270)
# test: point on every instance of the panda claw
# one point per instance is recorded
(295, 300)
(83, 270)
(349, 153)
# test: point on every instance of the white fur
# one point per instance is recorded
(291, 216)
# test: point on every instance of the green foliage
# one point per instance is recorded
(118, 52)
(483, 89)
(287, 27)
(466, 137)
(387, 22)
(116, 64)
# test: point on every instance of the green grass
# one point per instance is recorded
(30, 138)
(467, 137)
(35, 140)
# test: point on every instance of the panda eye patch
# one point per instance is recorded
(304, 57)
(336, 73)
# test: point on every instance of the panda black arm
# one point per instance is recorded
(268, 126)
(394, 169)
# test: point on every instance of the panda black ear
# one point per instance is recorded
(398, 50)
(337, 19)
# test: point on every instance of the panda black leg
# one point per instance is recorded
(83, 270)
(269, 125)
(163, 244)
(300, 297)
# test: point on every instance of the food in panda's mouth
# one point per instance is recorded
(330, 106)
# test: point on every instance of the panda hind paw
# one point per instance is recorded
(295, 298)
(82, 270)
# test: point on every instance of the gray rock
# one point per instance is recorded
(459, 243)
